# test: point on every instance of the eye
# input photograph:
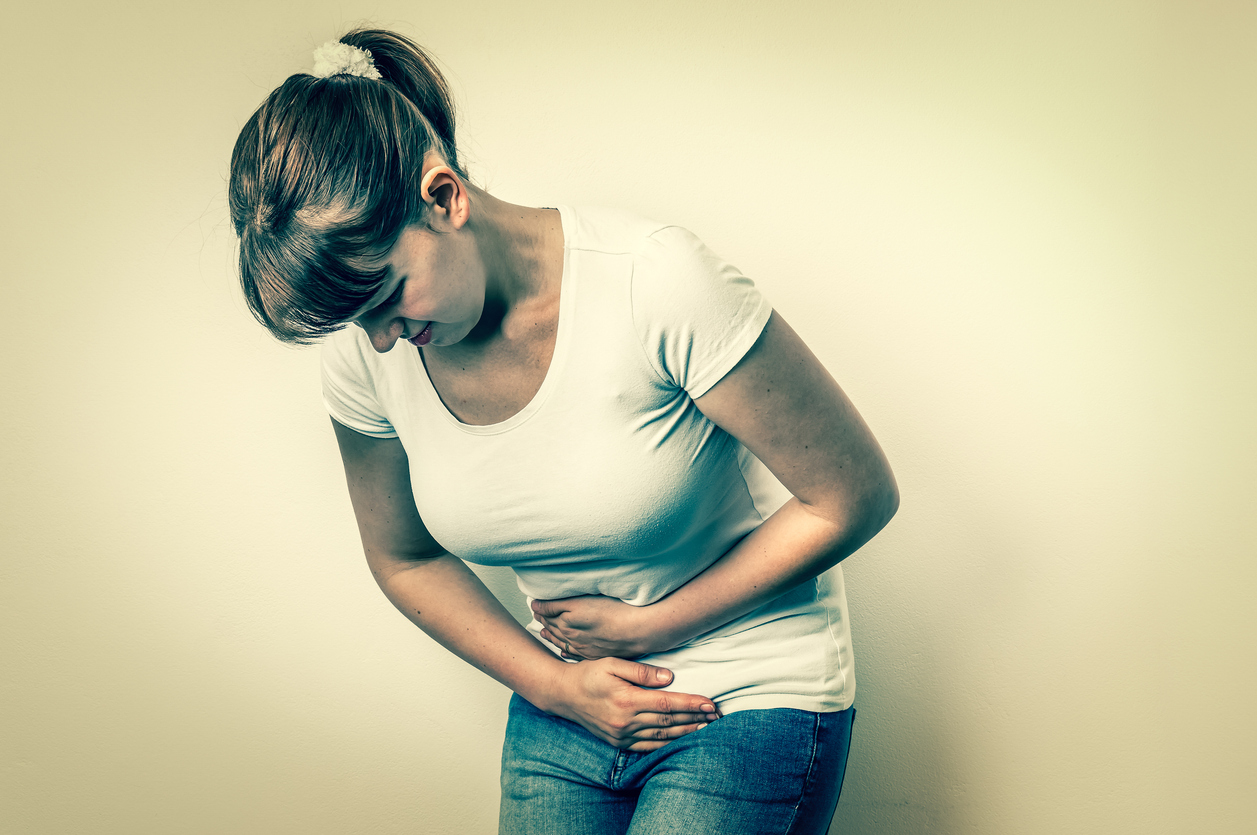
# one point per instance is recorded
(391, 300)
(396, 296)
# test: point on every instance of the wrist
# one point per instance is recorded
(655, 629)
(549, 691)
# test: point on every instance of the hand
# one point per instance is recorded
(594, 626)
(607, 698)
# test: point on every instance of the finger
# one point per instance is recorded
(558, 640)
(547, 608)
(553, 624)
(646, 675)
(643, 675)
(565, 648)
(647, 721)
(665, 701)
(652, 739)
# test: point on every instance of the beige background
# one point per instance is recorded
(1021, 235)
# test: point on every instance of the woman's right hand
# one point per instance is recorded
(614, 700)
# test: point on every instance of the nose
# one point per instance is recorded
(383, 331)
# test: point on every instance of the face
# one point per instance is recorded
(434, 294)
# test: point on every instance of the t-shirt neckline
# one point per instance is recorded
(566, 300)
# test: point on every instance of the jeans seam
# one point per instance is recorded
(807, 778)
(617, 770)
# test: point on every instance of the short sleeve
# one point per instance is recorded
(695, 315)
(349, 384)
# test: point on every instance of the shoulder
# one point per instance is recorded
(609, 231)
(674, 270)
(672, 253)
(658, 250)
(694, 313)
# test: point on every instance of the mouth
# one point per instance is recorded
(423, 337)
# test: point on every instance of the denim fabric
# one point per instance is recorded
(754, 771)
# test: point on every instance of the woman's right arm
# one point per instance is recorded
(441, 596)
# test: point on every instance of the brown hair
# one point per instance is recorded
(325, 176)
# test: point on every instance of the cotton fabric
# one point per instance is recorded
(611, 481)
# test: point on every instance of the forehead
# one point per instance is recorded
(395, 263)
(406, 255)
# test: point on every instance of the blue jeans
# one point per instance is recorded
(753, 771)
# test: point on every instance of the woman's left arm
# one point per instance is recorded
(782, 404)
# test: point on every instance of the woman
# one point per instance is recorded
(601, 403)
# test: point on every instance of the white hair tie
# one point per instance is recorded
(336, 58)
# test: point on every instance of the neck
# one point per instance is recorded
(522, 251)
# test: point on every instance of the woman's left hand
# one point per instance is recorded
(593, 626)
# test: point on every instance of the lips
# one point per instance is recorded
(423, 337)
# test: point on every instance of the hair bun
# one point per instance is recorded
(336, 58)
(409, 69)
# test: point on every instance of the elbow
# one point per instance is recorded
(880, 504)
(386, 568)
(877, 505)
(889, 500)
(859, 514)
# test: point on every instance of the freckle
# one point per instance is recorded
(417, 612)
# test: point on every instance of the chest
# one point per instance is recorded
(562, 447)
(597, 470)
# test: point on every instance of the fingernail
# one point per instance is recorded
(707, 709)
(700, 727)
(663, 675)
(712, 716)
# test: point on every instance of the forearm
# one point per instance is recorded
(792, 546)
(447, 601)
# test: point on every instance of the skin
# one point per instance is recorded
(486, 274)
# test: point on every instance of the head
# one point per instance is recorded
(325, 178)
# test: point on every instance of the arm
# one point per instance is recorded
(441, 596)
(782, 404)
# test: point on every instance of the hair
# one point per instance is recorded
(325, 176)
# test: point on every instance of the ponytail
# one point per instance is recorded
(405, 65)
(324, 178)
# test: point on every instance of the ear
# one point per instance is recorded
(445, 193)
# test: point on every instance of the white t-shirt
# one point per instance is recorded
(611, 481)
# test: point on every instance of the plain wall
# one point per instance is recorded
(1020, 235)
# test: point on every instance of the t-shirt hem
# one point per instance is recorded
(734, 353)
(768, 701)
(357, 425)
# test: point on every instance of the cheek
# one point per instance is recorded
(468, 279)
